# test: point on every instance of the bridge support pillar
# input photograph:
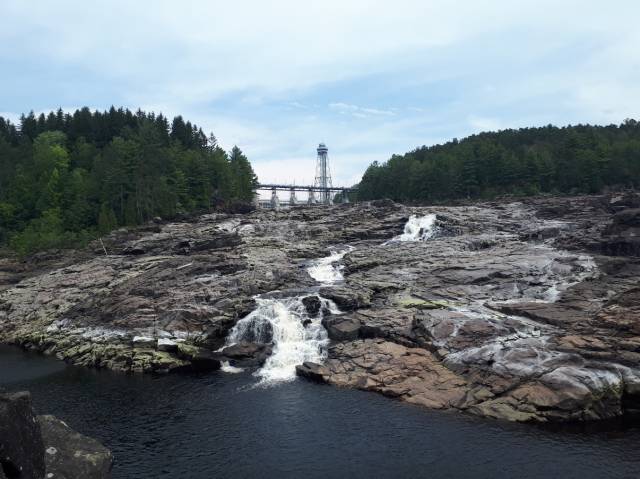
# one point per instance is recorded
(275, 202)
(292, 197)
(345, 196)
(312, 198)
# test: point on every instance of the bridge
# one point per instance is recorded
(322, 186)
(324, 197)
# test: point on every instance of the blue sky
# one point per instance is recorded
(369, 78)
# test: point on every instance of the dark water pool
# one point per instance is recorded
(218, 425)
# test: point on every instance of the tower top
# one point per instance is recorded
(322, 148)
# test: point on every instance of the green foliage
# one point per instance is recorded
(106, 219)
(66, 178)
(529, 161)
(44, 232)
(244, 180)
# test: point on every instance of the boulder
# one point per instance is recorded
(312, 371)
(167, 345)
(247, 354)
(201, 359)
(71, 455)
(342, 328)
(312, 304)
(21, 445)
(346, 299)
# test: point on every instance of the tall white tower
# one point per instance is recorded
(323, 175)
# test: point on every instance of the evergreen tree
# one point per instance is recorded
(66, 178)
(569, 160)
(243, 178)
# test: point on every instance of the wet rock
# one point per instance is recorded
(201, 359)
(312, 304)
(550, 313)
(247, 354)
(21, 445)
(70, 455)
(341, 328)
(389, 323)
(167, 345)
(312, 371)
(346, 299)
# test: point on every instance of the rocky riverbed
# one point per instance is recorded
(526, 311)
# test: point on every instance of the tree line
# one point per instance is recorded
(66, 178)
(528, 161)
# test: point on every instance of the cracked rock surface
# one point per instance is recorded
(526, 311)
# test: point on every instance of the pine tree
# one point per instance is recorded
(243, 178)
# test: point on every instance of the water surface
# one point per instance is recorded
(219, 425)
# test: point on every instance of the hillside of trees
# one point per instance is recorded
(66, 178)
(528, 161)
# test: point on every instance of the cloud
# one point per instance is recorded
(13, 117)
(370, 78)
(484, 124)
(358, 111)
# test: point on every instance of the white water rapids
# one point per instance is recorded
(417, 228)
(296, 335)
(327, 270)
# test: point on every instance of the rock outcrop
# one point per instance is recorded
(21, 444)
(521, 310)
(36, 447)
(70, 455)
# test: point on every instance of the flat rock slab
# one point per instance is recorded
(411, 374)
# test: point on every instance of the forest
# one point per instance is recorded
(528, 161)
(67, 178)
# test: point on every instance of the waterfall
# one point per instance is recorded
(292, 325)
(296, 333)
(326, 270)
(417, 228)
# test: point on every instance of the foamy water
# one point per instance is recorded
(417, 228)
(327, 270)
(296, 336)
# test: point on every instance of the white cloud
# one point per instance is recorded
(11, 116)
(359, 111)
(484, 124)
(267, 76)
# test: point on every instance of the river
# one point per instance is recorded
(222, 425)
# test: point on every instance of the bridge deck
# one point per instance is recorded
(273, 186)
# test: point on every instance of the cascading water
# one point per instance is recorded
(326, 270)
(297, 336)
(417, 228)
(292, 325)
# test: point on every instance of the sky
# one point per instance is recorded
(369, 78)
